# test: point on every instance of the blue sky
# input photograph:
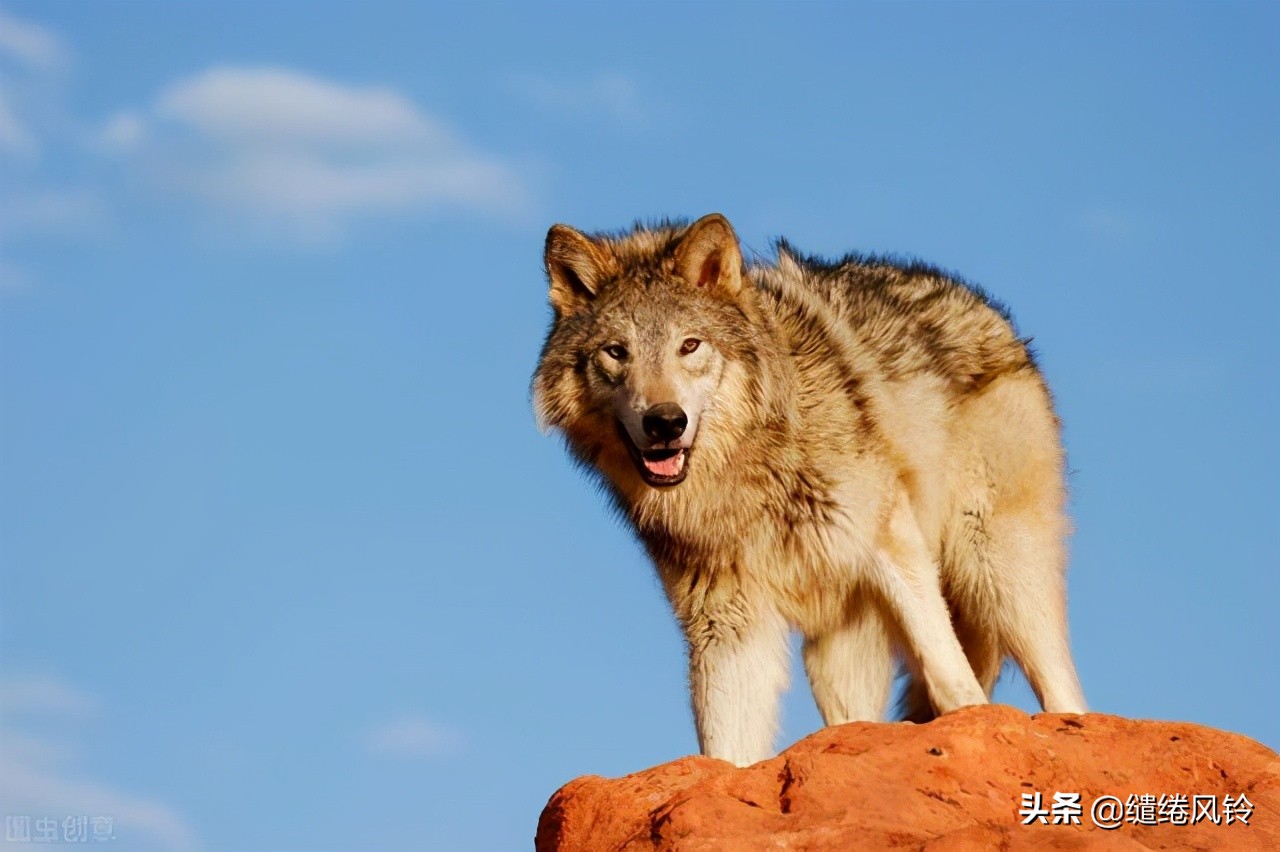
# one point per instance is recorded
(284, 563)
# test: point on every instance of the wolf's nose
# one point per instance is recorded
(664, 422)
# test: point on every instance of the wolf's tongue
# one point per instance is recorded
(666, 467)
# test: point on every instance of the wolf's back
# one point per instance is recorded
(910, 318)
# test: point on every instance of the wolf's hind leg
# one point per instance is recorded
(1033, 609)
(851, 668)
(982, 648)
(914, 705)
(737, 671)
(909, 582)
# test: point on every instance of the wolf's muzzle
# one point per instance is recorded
(664, 422)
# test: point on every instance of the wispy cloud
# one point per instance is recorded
(15, 136)
(411, 736)
(276, 152)
(612, 96)
(59, 211)
(122, 133)
(33, 123)
(25, 696)
(292, 150)
(272, 106)
(1108, 224)
(14, 280)
(38, 777)
(30, 58)
(31, 44)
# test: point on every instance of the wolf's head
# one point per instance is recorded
(649, 329)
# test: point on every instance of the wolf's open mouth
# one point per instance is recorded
(665, 463)
(657, 467)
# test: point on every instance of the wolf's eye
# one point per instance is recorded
(690, 345)
(616, 352)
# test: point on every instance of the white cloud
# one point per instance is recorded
(14, 280)
(14, 135)
(271, 150)
(1108, 224)
(613, 95)
(37, 792)
(309, 187)
(287, 149)
(124, 131)
(29, 56)
(30, 44)
(266, 106)
(56, 211)
(43, 695)
(37, 773)
(411, 736)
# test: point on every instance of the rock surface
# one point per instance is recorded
(956, 783)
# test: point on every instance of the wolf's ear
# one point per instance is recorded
(708, 256)
(576, 267)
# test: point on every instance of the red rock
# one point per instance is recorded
(953, 784)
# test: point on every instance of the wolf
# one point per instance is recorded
(863, 451)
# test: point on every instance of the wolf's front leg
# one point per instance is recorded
(737, 671)
(851, 667)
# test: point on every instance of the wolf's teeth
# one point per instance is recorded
(670, 466)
